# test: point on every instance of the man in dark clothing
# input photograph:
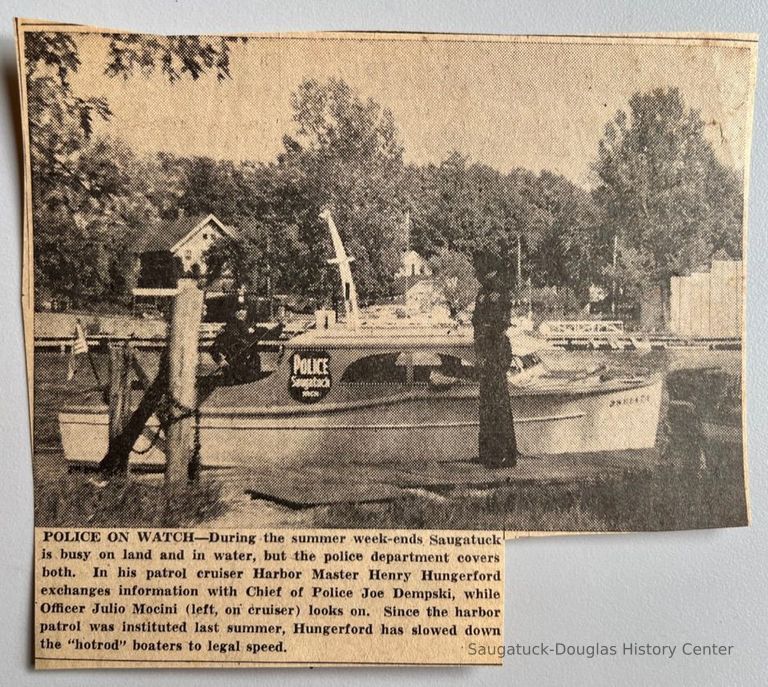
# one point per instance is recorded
(235, 349)
(497, 441)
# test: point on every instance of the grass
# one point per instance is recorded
(666, 498)
(79, 501)
(669, 497)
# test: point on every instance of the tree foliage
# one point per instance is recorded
(662, 191)
(474, 209)
(175, 56)
(91, 197)
(454, 277)
(346, 155)
(671, 202)
(567, 236)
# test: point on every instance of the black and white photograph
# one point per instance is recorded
(386, 280)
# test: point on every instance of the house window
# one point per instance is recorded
(205, 236)
(188, 254)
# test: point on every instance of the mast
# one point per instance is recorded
(405, 261)
(348, 291)
(613, 284)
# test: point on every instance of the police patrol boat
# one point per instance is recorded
(350, 392)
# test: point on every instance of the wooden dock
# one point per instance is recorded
(639, 341)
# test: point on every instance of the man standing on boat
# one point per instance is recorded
(491, 319)
(235, 349)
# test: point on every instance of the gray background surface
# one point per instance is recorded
(705, 586)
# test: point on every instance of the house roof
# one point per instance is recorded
(169, 234)
(402, 283)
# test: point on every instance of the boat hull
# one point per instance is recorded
(441, 427)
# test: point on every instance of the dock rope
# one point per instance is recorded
(170, 411)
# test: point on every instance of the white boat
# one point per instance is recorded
(359, 394)
(373, 395)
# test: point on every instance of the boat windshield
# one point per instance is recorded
(521, 363)
(409, 367)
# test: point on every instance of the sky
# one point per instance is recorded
(535, 104)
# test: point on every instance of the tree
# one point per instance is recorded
(175, 56)
(664, 192)
(562, 256)
(84, 209)
(236, 258)
(346, 156)
(85, 230)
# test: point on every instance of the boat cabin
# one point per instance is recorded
(341, 365)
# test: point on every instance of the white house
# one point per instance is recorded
(187, 238)
(417, 289)
(413, 265)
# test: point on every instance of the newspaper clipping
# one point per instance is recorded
(315, 321)
(186, 598)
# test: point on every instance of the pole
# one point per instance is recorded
(530, 299)
(405, 260)
(94, 369)
(613, 286)
(269, 296)
(182, 378)
(119, 403)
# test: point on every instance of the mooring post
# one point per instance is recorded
(119, 452)
(182, 379)
(119, 392)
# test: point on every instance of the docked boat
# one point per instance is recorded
(376, 394)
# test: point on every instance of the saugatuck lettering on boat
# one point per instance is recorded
(310, 378)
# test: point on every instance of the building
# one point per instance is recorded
(171, 250)
(184, 240)
(708, 303)
(413, 265)
(416, 291)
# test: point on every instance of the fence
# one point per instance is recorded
(581, 327)
(708, 304)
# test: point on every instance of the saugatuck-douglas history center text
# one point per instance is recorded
(597, 650)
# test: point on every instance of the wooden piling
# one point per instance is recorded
(119, 387)
(182, 378)
(120, 355)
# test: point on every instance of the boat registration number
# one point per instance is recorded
(630, 400)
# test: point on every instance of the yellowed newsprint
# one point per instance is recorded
(228, 598)
(424, 292)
